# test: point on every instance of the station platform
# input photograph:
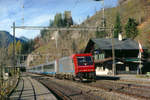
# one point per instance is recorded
(31, 89)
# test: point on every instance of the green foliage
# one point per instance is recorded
(18, 47)
(131, 28)
(45, 36)
(62, 20)
(10, 49)
(58, 21)
(117, 27)
(67, 21)
(43, 32)
(27, 47)
(51, 23)
(23, 69)
(100, 34)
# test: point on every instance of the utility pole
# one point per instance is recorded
(103, 14)
(113, 53)
(14, 47)
(56, 42)
(112, 31)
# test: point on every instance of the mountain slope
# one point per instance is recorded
(24, 38)
(137, 9)
(69, 40)
(6, 38)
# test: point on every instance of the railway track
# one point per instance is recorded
(21, 95)
(60, 95)
(33, 88)
(66, 91)
(22, 88)
(25, 90)
(122, 88)
(133, 90)
(147, 83)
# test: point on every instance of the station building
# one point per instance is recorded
(126, 55)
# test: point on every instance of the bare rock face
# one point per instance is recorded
(122, 1)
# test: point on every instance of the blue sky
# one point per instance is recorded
(39, 12)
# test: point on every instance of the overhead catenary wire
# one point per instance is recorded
(63, 29)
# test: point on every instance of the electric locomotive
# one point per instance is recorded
(79, 66)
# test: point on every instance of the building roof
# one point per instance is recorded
(106, 44)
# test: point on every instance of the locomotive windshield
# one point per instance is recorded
(84, 60)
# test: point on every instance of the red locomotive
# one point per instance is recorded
(77, 66)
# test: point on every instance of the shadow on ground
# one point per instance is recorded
(107, 78)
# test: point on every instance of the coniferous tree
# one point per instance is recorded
(117, 27)
(43, 32)
(62, 20)
(67, 19)
(28, 47)
(58, 21)
(131, 28)
(51, 23)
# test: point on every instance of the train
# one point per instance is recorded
(76, 67)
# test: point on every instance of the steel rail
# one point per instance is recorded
(33, 89)
(21, 90)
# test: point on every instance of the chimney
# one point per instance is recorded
(120, 37)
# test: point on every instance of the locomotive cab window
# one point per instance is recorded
(84, 60)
